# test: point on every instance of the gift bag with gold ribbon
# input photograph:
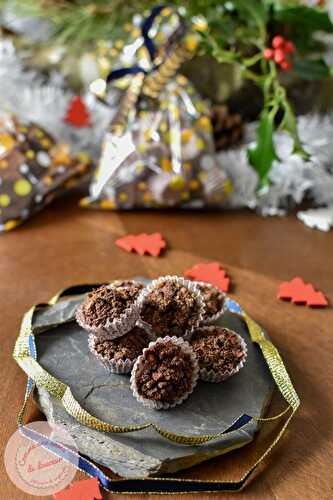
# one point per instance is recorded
(159, 151)
(34, 169)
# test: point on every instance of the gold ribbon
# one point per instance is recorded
(127, 106)
(62, 392)
(157, 80)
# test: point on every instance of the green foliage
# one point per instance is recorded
(263, 155)
(238, 32)
(307, 18)
(289, 124)
(311, 69)
(302, 24)
(81, 22)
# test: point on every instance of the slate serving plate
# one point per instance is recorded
(62, 349)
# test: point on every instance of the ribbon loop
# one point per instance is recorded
(25, 354)
(149, 44)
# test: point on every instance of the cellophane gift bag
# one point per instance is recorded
(159, 151)
(34, 169)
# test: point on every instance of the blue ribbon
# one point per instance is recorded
(120, 73)
(135, 485)
(145, 28)
(149, 44)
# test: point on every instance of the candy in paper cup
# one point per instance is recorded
(154, 326)
(234, 354)
(130, 344)
(111, 365)
(205, 289)
(147, 356)
(101, 322)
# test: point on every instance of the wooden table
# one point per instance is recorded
(66, 245)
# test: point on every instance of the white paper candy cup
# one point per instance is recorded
(111, 329)
(159, 405)
(215, 376)
(113, 366)
(190, 285)
(216, 316)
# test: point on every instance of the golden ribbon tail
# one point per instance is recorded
(41, 378)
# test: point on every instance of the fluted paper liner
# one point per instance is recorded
(120, 366)
(159, 405)
(216, 316)
(215, 376)
(25, 356)
(113, 366)
(191, 286)
(115, 328)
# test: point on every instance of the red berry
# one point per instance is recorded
(268, 53)
(286, 65)
(278, 42)
(289, 47)
(279, 56)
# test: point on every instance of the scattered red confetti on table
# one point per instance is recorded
(81, 490)
(301, 293)
(210, 272)
(143, 243)
(77, 113)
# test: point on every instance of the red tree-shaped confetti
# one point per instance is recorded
(301, 293)
(81, 490)
(211, 272)
(77, 113)
(143, 243)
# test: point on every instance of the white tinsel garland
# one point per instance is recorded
(34, 29)
(27, 94)
(292, 179)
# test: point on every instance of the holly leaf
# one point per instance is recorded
(263, 154)
(301, 23)
(311, 69)
(308, 18)
(289, 124)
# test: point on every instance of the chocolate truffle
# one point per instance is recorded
(133, 287)
(213, 299)
(165, 374)
(220, 352)
(110, 309)
(119, 354)
(171, 306)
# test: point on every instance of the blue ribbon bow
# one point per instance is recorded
(149, 44)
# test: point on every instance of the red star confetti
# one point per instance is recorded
(301, 293)
(77, 114)
(143, 243)
(211, 272)
(81, 490)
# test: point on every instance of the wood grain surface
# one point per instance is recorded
(66, 245)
